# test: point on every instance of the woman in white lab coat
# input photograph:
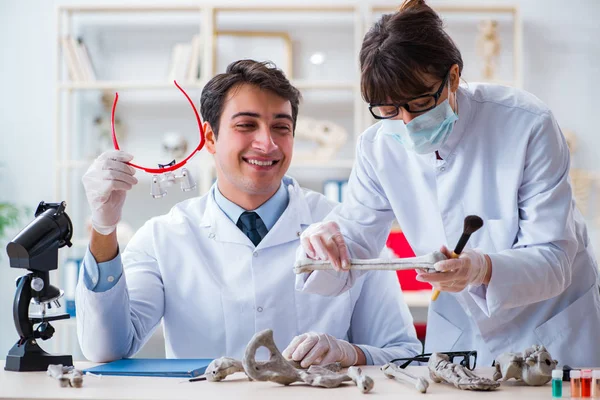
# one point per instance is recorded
(441, 152)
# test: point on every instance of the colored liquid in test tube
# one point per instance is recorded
(586, 383)
(575, 383)
(557, 375)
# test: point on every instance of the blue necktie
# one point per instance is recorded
(250, 223)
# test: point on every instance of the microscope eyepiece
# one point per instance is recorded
(50, 230)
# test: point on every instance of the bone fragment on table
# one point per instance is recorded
(222, 367)
(65, 375)
(76, 378)
(393, 371)
(442, 370)
(380, 264)
(364, 382)
(56, 371)
(316, 375)
(333, 367)
(323, 377)
(534, 366)
(278, 369)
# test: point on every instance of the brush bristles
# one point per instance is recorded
(472, 224)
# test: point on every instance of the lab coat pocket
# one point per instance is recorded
(573, 333)
(496, 235)
(441, 333)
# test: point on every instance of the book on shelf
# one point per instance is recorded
(86, 62)
(70, 59)
(335, 189)
(193, 70)
(185, 60)
(77, 59)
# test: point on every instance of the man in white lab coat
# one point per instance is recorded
(218, 268)
(442, 152)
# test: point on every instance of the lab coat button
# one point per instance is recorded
(259, 309)
(110, 278)
(211, 235)
(255, 254)
(442, 169)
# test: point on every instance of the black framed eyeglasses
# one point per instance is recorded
(417, 105)
(467, 359)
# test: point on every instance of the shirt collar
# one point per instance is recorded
(269, 211)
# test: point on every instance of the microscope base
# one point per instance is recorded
(31, 357)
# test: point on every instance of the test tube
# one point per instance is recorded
(596, 383)
(557, 376)
(575, 383)
(586, 383)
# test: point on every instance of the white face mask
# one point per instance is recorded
(426, 133)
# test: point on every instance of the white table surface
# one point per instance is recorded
(37, 385)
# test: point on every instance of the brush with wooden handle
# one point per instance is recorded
(472, 224)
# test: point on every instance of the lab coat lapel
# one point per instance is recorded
(288, 227)
(218, 225)
(293, 221)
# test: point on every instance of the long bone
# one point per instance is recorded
(426, 262)
(392, 371)
(364, 382)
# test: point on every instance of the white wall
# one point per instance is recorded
(561, 58)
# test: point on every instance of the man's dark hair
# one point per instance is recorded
(265, 75)
(400, 48)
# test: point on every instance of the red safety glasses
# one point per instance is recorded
(172, 166)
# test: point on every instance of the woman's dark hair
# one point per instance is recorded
(264, 75)
(400, 48)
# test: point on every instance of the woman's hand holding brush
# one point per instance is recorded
(470, 268)
(474, 268)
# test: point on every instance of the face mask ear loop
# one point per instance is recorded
(455, 98)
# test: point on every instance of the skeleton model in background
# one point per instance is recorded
(102, 125)
(442, 370)
(534, 366)
(278, 369)
(328, 136)
(488, 47)
(174, 145)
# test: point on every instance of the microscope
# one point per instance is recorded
(35, 248)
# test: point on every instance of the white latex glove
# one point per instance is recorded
(320, 349)
(324, 241)
(470, 268)
(106, 182)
